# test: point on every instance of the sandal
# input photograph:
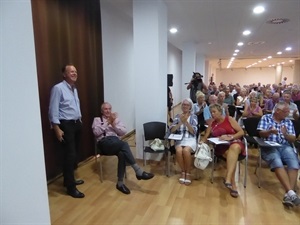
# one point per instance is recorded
(234, 193)
(188, 181)
(227, 185)
(182, 178)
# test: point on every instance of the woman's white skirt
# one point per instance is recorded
(188, 141)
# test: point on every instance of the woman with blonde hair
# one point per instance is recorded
(253, 109)
(185, 123)
(226, 128)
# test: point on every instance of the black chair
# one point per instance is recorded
(296, 124)
(232, 111)
(298, 104)
(215, 158)
(154, 130)
(250, 126)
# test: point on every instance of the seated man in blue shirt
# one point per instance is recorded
(275, 127)
(212, 99)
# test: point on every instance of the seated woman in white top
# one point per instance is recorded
(185, 123)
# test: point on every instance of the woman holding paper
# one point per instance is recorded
(226, 128)
(185, 124)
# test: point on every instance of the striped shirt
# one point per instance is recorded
(267, 122)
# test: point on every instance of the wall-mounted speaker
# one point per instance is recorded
(170, 80)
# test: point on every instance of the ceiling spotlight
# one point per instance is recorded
(258, 9)
(269, 57)
(240, 44)
(246, 32)
(291, 60)
(236, 50)
(279, 53)
(264, 59)
(234, 54)
(288, 48)
(173, 30)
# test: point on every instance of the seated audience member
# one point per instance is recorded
(276, 127)
(241, 99)
(295, 93)
(229, 100)
(269, 105)
(222, 86)
(198, 111)
(252, 110)
(212, 99)
(221, 97)
(294, 113)
(186, 124)
(266, 95)
(108, 129)
(238, 93)
(251, 95)
(226, 128)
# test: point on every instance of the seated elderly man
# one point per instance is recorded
(212, 99)
(294, 113)
(275, 127)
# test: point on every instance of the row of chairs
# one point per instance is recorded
(154, 130)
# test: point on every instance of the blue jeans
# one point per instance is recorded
(277, 157)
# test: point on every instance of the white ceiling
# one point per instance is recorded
(216, 26)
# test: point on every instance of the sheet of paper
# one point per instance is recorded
(175, 136)
(217, 141)
(272, 143)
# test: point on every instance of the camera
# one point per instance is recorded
(197, 78)
(197, 75)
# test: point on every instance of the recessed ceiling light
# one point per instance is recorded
(240, 44)
(246, 32)
(288, 48)
(236, 50)
(291, 61)
(279, 53)
(258, 9)
(264, 59)
(269, 57)
(173, 30)
(234, 54)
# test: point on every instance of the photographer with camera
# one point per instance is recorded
(196, 84)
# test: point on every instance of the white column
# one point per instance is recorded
(23, 185)
(200, 65)
(296, 75)
(188, 66)
(278, 74)
(150, 64)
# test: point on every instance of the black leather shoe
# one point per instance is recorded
(145, 176)
(75, 193)
(78, 182)
(123, 189)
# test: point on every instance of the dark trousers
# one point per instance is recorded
(112, 145)
(70, 146)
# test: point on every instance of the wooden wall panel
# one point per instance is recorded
(68, 31)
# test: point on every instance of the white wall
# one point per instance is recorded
(23, 187)
(119, 82)
(251, 75)
(175, 68)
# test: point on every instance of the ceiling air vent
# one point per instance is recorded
(278, 21)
